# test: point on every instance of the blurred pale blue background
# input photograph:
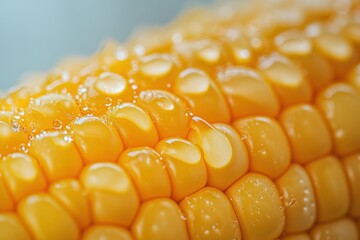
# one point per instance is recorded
(36, 34)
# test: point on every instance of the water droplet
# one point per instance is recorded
(57, 124)
(165, 103)
(108, 101)
(110, 84)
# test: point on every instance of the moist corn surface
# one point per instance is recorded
(240, 121)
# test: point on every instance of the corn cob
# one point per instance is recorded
(238, 122)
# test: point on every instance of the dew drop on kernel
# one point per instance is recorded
(57, 124)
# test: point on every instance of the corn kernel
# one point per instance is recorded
(159, 219)
(209, 215)
(147, 171)
(185, 166)
(12, 228)
(73, 197)
(42, 215)
(298, 198)
(340, 229)
(88, 132)
(247, 92)
(339, 104)
(329, 182)
(57, 155)
(22, 175)
(250, 213)
(300, 123)
(130, 120)
(352, 168)
(267, 145)
(114, 199)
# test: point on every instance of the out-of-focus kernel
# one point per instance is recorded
(168, 112)
(132, 121)
(334, 46)
(113, 198)
(88, 132)
(12, 228)
(293, 42)
(196, 87)
(330, 186)
(351, 165)
(287, 79)
(46, 219)
(298, 198)
(247, 92)
(57, 155)
(6, 203)
(147, 171)
(159, 219)
(22, 174)
(156, 71)
(105, 232)
(73, 197)
(340, 229)
(253, 197)
(185, 166)
(339, 104)
(317, 69)
(352, 31)
(209, 215)
(267, 145)
(354, 77)
(44, 111)
(308, 134)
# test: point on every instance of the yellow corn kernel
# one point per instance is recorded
(247, 92)
(99, 232)
(340, 229)
(185, 166)
(223, 165)
(131, 120)
(253, 197)
(268, 148)
(318, 69)
(300, 123)
(329, 182)
(50, 112)
(12, 137)
(168, 112)
(352, 168)
(22, 175)
(209, 215)
(103, 90)
(114, 199)
(339, 104)
(298, 198)
(87, 132)
(6, 203)
(159, 219)
(199, 91)
(57, 155)
(34, 211)
(287, 79)
(73, 197)
(12, 228)
(147, 171)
